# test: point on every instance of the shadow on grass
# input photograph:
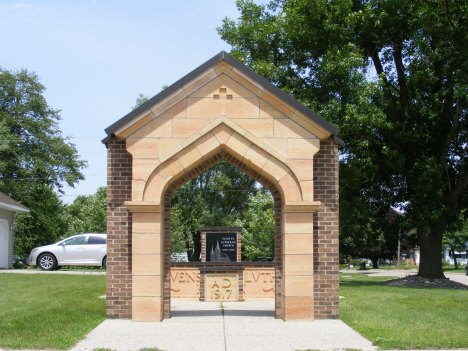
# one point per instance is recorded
(361, 280)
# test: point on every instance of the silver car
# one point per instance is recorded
(88, 249)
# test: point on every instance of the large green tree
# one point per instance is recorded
(217, 197)
(392, 75)
(35, 159)
(258, 228)
(87, 214)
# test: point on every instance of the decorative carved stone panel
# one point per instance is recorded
(221, 287)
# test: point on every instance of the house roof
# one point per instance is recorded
(245, 70)
(8, 203)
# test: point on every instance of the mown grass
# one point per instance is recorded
(404, 318)
(49, 311)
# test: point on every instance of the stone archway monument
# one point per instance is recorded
(222, 111)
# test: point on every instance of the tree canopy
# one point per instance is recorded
(392, 75)
(87, 214)
(35, 159)
(222, 196)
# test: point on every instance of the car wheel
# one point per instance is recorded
(104, 262)
(57, 268)
(47, 262)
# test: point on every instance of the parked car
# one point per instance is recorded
(88, 249)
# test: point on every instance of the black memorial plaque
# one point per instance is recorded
(221, 247)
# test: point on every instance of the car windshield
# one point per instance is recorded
(79, 240)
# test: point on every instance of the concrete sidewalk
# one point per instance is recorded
(244, 326)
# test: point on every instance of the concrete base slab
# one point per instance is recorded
(243, 326)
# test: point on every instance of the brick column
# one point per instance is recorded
(326, 231)
(119, 227)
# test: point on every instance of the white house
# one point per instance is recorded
(8, 207)
(447, 256)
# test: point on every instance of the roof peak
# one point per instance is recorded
(222, 55)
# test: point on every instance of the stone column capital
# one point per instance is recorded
(300, 207)
(143, 206)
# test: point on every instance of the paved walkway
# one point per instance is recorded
(244, 326)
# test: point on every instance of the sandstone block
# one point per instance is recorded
(242, 107)
(222, 133)
(290, 188)
(154, 188)
(307, 187)
(183, 128)
(261, 128)
(143, 148)
(245, 81)
(297, 223)
(208, 146)
(170, 170)
(147, 243)
(298, 265)
(149, 222)
(147, 309)
(144, 285)
(275, 170)
(238, 145)
(298, 309)
(168, 102)
(296, 244)
(189, 157)
(142, 168)
(303, 169)
(298, 285)
(177, 111)
(157, 128)
(256, 158)
(147, 265)
(167, 144)
(287, 128)
(277, 103)
(303, 148)
(200, 81)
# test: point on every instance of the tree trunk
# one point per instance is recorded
(430, 242)
(375, 263)
(455, 259)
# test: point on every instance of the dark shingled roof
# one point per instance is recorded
(9, 201)
(241, 67)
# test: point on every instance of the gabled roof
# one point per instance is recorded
(245, 70)
(8, 203)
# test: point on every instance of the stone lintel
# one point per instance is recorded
(143, 206)
(292, 206)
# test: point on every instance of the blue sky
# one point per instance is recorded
(96, 57)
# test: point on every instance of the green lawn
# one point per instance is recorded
(49, 311)
(56, 311)
(404, 318)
